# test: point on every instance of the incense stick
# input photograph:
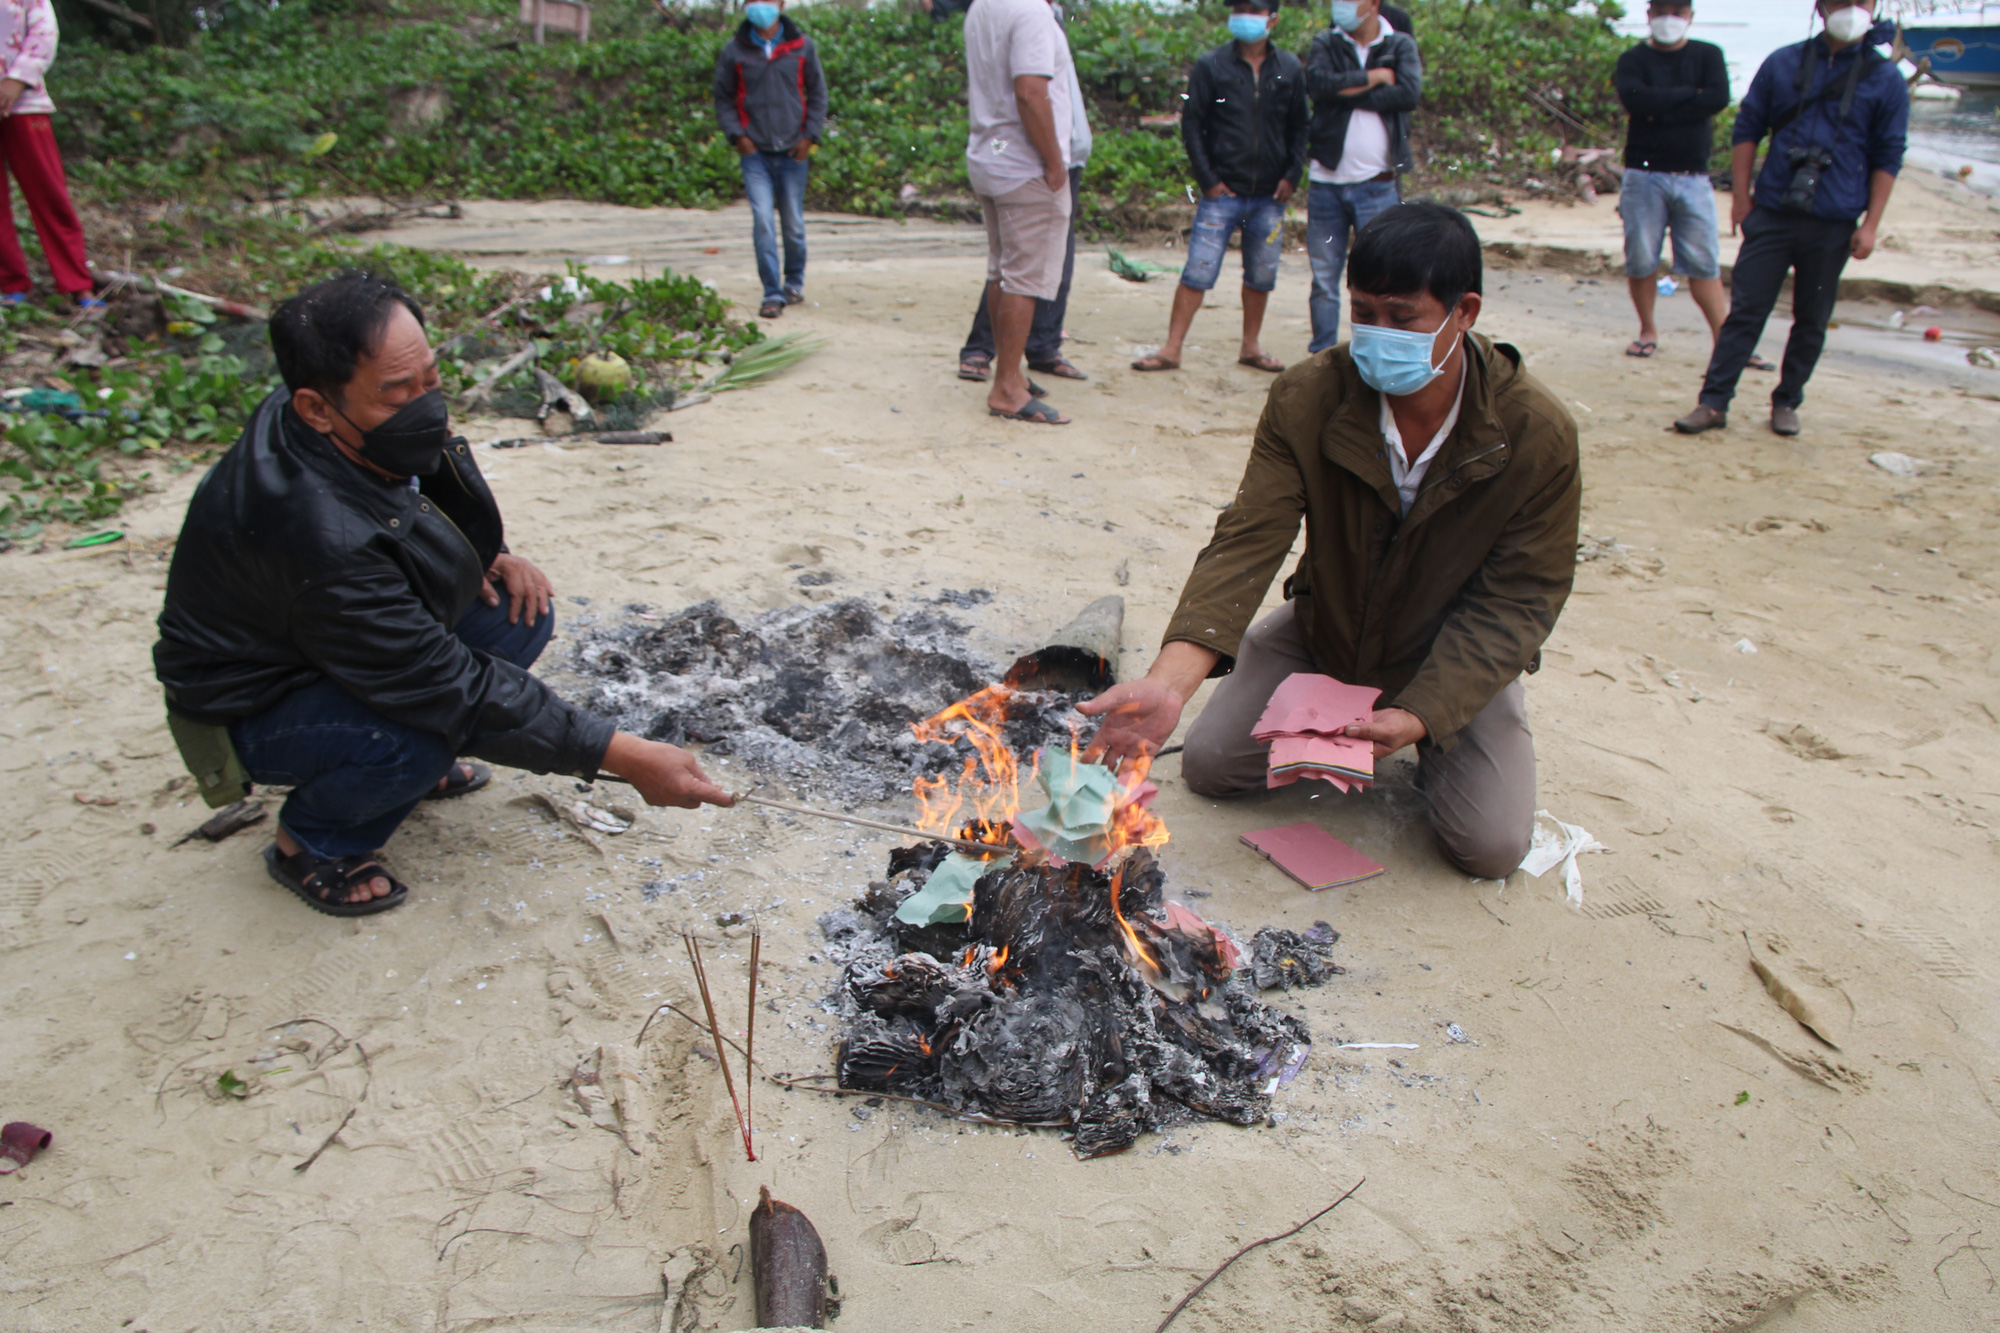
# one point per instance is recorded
(963, 844)
(715, 1030)
(750, 1046)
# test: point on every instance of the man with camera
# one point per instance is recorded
(1837, 112)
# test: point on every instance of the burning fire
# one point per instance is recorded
(987, 793)
(983, 798)
(1135, 948)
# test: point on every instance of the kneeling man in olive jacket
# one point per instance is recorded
(1439, 486)
(344, 618)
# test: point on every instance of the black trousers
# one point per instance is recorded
(1814, 251)
(1045, 335)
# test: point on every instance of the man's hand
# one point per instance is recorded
(1390, 728)
(527, 588)
(1218, 191)
(1283, 193)
(802, 150)
(663, 774)
(10, 91)
(1739, 208)
(1139, 715)
(745, 145)
(1056, 176)
(1862, 244)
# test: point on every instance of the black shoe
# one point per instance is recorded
(1701, 419)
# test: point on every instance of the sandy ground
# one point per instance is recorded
(1772, 698)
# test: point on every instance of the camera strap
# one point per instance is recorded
(1783, 120)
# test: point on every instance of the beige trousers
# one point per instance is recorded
(1481, 792)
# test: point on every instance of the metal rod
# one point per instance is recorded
(963, 844)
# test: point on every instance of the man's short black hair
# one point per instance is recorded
(320, 335)
(1420, 247)
(1266, 6)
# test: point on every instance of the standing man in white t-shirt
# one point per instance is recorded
(1018, 73)
(1364, 78)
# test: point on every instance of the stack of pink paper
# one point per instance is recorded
(1302, 723)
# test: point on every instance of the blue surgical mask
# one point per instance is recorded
(1346, 15)
(761, 13)
(1395, 361)
(1249, 27)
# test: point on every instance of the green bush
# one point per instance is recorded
(193, 389)
(459, 104)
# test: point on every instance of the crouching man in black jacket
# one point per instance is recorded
(343, 616)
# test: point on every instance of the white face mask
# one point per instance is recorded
(1668, 29)
(1850, 24)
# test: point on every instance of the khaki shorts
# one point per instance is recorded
(1027, 233)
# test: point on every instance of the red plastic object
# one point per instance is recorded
(1933, 334)
(20, 1141)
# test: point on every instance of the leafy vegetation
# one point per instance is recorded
(465, 106)
(182, 385)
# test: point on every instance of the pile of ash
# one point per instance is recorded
(1072, 998)
(822, 696)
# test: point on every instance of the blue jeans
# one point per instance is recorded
(1656, 202)
(1332, 212)
(355, 775)
(1262, 219)
(776, 185)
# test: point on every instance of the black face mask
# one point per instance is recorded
(411, 443)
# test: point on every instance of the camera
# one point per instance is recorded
(1808, 166)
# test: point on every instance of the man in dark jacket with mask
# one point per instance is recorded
(1365, 77)
(1244, 126)
(1838, 115)
(343, 616)
(770, 99)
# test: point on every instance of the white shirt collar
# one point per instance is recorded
(1408, 476)
(1383, 31)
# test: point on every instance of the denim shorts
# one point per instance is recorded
(1262, 219)
(1656, 202)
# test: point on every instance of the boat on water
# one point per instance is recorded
(1962, 44)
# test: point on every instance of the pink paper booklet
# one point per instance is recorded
(1311, 855)
(1307, 702)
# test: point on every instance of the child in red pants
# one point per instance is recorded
(28, 151)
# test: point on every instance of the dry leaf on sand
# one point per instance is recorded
(1820, 1020)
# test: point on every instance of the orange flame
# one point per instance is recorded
(980, 800)
(1141, 956)
(987, 791)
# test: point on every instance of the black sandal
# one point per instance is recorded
(464, 777)
(324, 885)
(1061, 368)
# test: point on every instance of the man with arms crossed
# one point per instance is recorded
(1018, 75)
(1365, 77)
(1672, 88)
(344, 618)
(1439, 487)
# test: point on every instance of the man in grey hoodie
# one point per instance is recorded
(770, 98)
